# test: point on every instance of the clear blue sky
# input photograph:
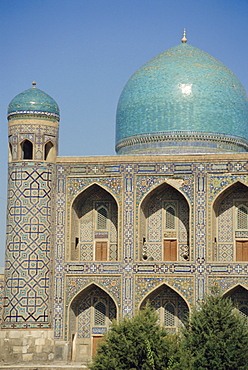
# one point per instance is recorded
(82, 52)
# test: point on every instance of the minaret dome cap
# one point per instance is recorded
(33, 102)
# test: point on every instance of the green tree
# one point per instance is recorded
(137, 343)
(216, 336)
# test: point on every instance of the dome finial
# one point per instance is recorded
(34, 83)
(184, 38)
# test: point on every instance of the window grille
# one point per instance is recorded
(169, 315)
(170, 218)
(102, 218)
(244, 311)
(242, 218)
(100, 314)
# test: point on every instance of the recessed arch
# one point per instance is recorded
(164, 238)
(26, 149)
(154, 187)
(237, 287)
(91, 312)
(89, 187)
(89, 240)
(172, 308)
(229, 239)
(239, 296)
(49, 152)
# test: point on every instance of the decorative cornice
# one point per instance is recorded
(32, 113)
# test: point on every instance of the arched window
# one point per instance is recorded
(102, 215)
(170, 218)
(242, 217)
(48, 150)
(169, 314)
(27, 150)
(100, 314)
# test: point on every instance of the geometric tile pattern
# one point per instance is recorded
(28, 251)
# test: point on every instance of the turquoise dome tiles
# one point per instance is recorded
(33, 101)
(183, 100)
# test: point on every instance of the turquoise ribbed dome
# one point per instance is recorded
(182, 101)
(33, 101)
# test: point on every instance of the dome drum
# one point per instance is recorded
(181, 142)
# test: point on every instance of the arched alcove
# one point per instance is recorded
(49, 152)
(27, 149)
(239, 297)
(172, 309)
(230, 224)
(94, 225)
(164, 225)
(90, 315)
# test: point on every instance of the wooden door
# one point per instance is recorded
(95, 340)
(101, 251)
(242, 250)
(170, 250)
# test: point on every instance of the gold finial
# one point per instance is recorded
(34, 83)
(184, 39)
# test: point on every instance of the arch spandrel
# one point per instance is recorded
(145, 185)
(111, 285)
(226, 190)
(234, 289)
(226, 284)
(77, 186)
(184, 287)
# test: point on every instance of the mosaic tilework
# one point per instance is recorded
(226, 283)
(28, 246)
(59, 254)
(225, 252)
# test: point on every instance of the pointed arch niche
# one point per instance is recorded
(26, 149)
(90, 315)
(171, 308)
(164, 225)
(94, 220)
(230, 224)
(49, 152)
(239, 297)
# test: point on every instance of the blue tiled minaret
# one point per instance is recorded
(33, 121)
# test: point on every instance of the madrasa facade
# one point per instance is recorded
(92, 239)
